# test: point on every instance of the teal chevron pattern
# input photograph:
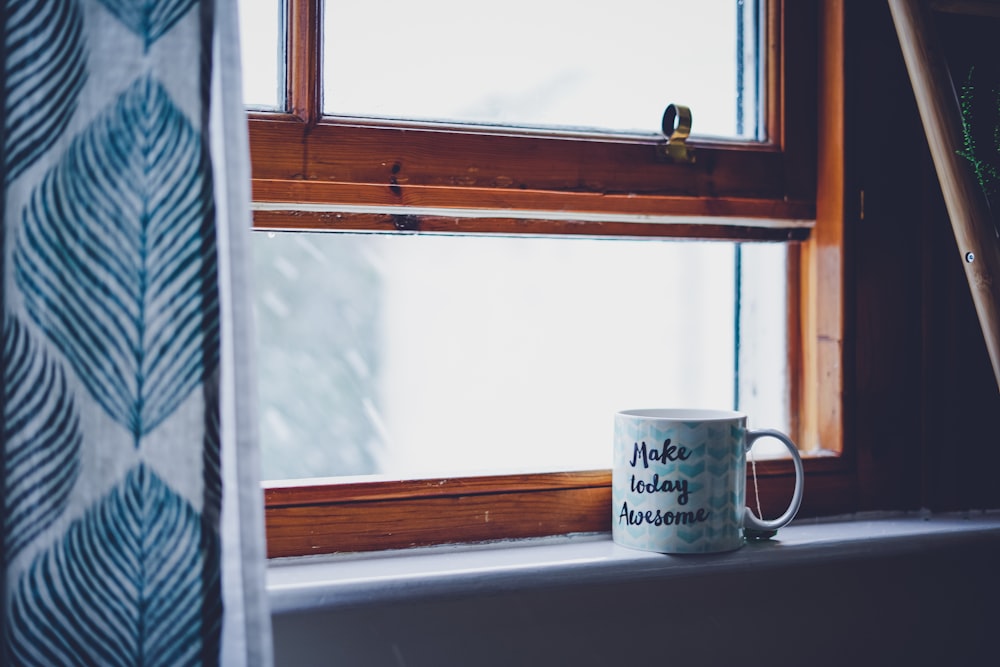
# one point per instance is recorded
(709, 518)
(111, 467)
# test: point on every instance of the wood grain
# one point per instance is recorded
(318, 518)
(822, 305)
(303, 71)
(318, 221)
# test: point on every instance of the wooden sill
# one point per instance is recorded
(327, 518)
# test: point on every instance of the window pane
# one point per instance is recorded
(762, 364)
(262, 47)
(563, 63)
(424, 356)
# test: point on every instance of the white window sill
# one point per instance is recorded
(343, 581)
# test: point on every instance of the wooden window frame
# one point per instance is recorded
(343, 174)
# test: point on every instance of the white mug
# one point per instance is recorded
(679, 480)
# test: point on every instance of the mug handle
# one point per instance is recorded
(749, 519)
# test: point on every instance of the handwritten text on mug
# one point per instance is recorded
(668, 454)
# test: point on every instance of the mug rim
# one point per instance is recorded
(683, 414)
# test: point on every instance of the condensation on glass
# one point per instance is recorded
(426, 356)
(585, 64)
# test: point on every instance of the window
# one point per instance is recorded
(261, 30)
(558, 63)
(427, 356)
(336, 173)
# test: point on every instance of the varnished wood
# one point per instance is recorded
(335, 516)
(322, 518)
(303, 196)
(966, 204)
(366, 489)
(303, 71)
(412, 522)
(349, 164)
(774, 64)
(299, 220)
(822, 269)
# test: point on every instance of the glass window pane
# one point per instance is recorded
(548, 63)
(263, 53)
(424, 356)
(762, 362)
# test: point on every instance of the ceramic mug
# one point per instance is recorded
(679, 480)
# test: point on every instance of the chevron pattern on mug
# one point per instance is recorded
(679, 480)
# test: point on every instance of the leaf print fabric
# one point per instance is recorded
(122, 587)
(151, 19)
(116, 247)
(41, 439)
(44, 71)
(112, 460)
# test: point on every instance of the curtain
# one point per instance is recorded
(132, 511)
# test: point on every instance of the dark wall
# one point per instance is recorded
(921, 401)
(922, 604)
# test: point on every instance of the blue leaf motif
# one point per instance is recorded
(134, 581)
(41, 435)
(149, 19)
(44, 69)
(116, 258)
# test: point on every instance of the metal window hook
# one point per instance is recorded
(676, 128)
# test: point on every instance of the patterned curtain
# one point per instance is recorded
(132, 518)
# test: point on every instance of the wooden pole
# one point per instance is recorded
(940, 113)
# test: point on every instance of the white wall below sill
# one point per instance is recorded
(900, 589)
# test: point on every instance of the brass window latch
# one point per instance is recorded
(677, 128)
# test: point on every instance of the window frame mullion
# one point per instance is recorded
(304, 67)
